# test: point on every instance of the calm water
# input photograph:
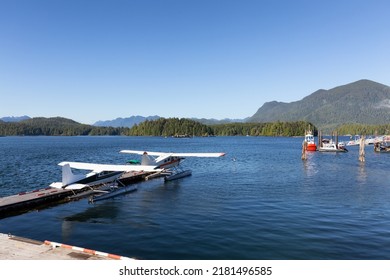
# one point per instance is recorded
(260, 201)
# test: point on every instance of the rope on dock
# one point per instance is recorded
(87, 251)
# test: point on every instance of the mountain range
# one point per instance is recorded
(14, 119)
(361, 102)
(125, 122)
(133, 120)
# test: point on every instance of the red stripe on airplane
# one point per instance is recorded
(169, 163)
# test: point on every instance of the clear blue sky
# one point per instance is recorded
(102, 59)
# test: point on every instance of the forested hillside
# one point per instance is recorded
(363, 102)
(263, 129)
(175, 126)
(53, 126)
(363, 129)
(161, 127)
(170, 127)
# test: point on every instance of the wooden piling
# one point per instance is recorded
(304, 148)
(319, 139)
(362, 155)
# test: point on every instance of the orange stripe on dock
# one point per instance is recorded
(66, 246)
(87, 251)
(116, 257)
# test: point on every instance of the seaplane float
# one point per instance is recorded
(108, 180)
(168, 163)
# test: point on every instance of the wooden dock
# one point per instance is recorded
(26, 201)
(41, 198)
(19, 248)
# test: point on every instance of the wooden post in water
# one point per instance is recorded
(319, 139)
(304, 147)
(362, 155)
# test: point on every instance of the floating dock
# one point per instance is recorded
(25, 201)
(41, 198)
(19, 248)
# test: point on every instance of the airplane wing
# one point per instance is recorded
(173, 154)
(143, 152)
(197, 154)
(108, 167)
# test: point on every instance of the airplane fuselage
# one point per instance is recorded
(100, 178)
(169, 162)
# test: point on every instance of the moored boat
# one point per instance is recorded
(381, 147)
(371, 140)
(332, 147)
(310, 143)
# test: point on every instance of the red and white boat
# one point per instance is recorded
(310, 143)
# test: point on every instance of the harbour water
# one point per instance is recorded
(260, 201)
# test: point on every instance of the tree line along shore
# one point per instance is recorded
(176, 127)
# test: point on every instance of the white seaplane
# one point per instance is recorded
(167, 163)
(99, 174)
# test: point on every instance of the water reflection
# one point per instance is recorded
(362, 173)
(97, 214)
(309, 165)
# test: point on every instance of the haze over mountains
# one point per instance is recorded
(125, 122)
(14, 119)
(360, 102)
(133, 120)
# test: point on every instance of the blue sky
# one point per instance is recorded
(102, 59)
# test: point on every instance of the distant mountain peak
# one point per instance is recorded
(363, 101)
(125, 122)
(14, 119)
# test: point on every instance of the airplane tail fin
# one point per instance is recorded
(147, 159)
(67, 175)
